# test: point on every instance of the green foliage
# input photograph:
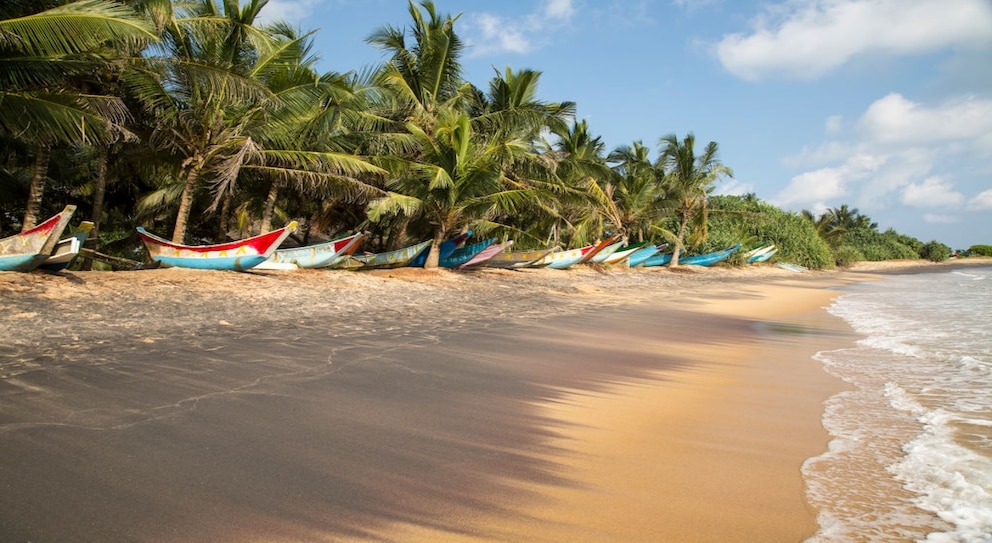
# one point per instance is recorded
(877, 246)
(980, 250)
(847, 255)
(935, 251)
(752, 222)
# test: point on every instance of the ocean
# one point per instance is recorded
(910, 456)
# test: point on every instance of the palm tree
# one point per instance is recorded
(689, 180)
(47, 50)
(456, 178)
(637, 189)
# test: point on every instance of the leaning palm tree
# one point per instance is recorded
(46, 49)
(689, 180)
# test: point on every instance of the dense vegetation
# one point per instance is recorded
(193, 118)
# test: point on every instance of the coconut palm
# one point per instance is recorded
(457, 178)
(689, 180)
(637, 189)
(46, 51)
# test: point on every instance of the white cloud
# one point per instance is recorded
(825, 184)
(982, 202)
(486, 33)
(805, 39)
(940, 219)
(894, 119)
(933, 192)
(734, 187)
(834, 124)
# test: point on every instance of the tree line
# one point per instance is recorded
(193, 117)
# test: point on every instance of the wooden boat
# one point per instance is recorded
(67, 249)
(561, 260)
(641, 255)
(791, 267)
(445, 249)
(389, 259)
(763, 257)
(320, 255)
(754, 254)
(27, 250)
(607, 252)
(709, 259)
(662, 259)
(519, 259)
(623, 253)
(238, 255)
(484, 255)
(464, 254)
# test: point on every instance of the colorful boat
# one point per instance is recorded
(27, 250)
(519, 259)
(445, 249)
(792, 267)
(709, 259)
(640, 256)
(623, 253)
(67, 249)
(464, 254)
(754, 254)
(607, 252)
(389, 259)
(561, 260)
(486, 254)
(238, 255)
(320, 255)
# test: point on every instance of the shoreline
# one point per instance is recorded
(456, 407)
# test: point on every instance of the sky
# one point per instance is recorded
(882, 105)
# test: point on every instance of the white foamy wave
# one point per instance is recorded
(910, 457)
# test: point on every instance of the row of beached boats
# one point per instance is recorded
(43, 247)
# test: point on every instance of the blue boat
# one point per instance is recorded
(464, 254)
(641, 255)
(658, 260)
(709, 259)
(447, 247)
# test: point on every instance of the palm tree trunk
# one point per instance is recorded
(270, 207)
(185, 207)
(225, 214)
(678, 242)
(434, 256)
(37, 188)
(99, 193)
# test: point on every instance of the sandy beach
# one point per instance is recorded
(409, 405)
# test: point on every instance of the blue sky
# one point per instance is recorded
(883, 105)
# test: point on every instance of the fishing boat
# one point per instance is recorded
(389, 259)
(561, 260)
(27, 250)
(464, 254)
(607, 252)
(320, 255)
(67, 249)
(763, 257)
(661, 259)
(709, 259)
(754, 254)
(238, 255)
(444, 250)
(519, 259)
(486, 254)
(640, 256)
(623, 253)
(791, 267)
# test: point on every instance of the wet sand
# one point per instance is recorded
(542, 405)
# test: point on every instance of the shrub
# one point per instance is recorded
(846, 255)
(877, 246)
(935, 251)
(980, 250)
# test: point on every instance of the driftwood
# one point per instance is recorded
(116, 262)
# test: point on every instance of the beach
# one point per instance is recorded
(416, 405)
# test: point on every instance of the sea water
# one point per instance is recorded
(910, 456)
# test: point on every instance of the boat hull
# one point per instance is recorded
(66, 250)
(27, 250)
(316, 256)
(390, 259)
(234, 256)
